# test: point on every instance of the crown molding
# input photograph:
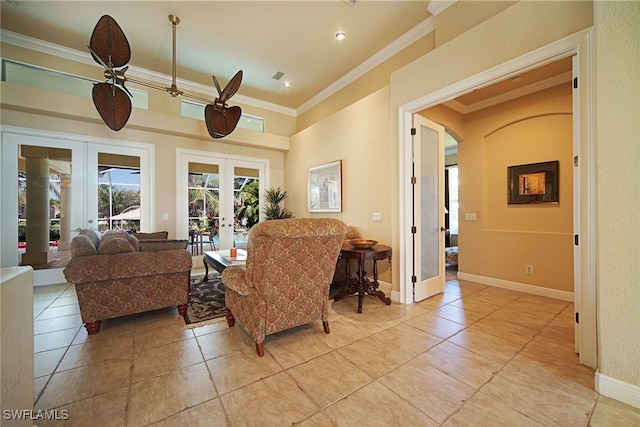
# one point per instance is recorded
(436, 7)
(402, 42)
(48, 48)
(508, 96)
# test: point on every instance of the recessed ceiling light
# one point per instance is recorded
(287, 83)
(340, 35)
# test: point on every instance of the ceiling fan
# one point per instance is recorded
(110, 48)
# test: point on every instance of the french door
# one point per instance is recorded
(50, 191)
(211, 195)
(428, 230)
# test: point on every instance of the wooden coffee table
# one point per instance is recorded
(220, 260)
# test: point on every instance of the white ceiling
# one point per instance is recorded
(222, 37)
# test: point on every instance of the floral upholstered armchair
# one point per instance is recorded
(285, 282)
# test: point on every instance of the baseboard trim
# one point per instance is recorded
(516, 286)
(618, 390)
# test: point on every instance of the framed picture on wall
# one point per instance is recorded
(325, 187)
(533, 183)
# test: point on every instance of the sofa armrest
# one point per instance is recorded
(156, 245)
(234, 278)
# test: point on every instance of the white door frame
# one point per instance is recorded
(581, 45)
(186, 156)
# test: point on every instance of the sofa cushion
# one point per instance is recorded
(133, 240)
(81, 245)
(114, 243)
(93, 235)
(156, 235)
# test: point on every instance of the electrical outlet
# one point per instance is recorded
(528, 269)
(377, 216)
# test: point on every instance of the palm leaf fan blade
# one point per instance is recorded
(112, 103)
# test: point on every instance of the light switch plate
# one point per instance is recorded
(470, 216)
(377, 216)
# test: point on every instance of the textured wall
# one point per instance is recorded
(617, 64)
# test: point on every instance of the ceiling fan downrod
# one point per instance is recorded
(173, 90)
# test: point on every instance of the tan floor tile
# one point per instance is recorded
(512, 332)
(296, 345)
(436, 301)
(45, 362)
(373, 311)
(160, 397)
(74, 385)
(471, 368)
(434, 392)
(107, 409)
(49, 291)
(40, 306)
(458, 315)
(207, 414)
(217, 325)
(462, 288)
(546, 301)
(224, 342)
(38, 386)
(549, 311)
(120, 327)
(531, 390)
(488, 345)
(240, 369)
(57, 324)
(52, 340)
(52, 312)
(328, 385)
(92, 352)
(478, 305)
(345, 332)
(435, 325)
(388, 349)
(166, 318)
(482, 410)
(375, 405)
(171, 357)
(274, 401)
(64, 301)
(148, 338)
(610, 412)
(316, 420)
(524, 318)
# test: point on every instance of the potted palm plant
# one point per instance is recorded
(272, 209)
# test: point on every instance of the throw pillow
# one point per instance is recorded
(81, 245)
(156, 235)
(114, 244)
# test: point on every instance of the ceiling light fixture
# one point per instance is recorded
(340, 35)
(287, 83)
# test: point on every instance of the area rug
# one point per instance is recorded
(207, 300)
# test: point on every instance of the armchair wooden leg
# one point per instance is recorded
(182, 309)
(231, 321)
(93, 327)
(325, 326)
(260, 349)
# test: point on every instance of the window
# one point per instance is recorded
(56, 81)
(454, 204)
(194, 110)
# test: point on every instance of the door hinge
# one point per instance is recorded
(575, 83)
(413, 131)
(414, 230)
(577, 317)
(576, 240)
(414, 279)
(413, 180)
(575, 160)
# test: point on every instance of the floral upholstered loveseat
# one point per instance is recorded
(116, 274)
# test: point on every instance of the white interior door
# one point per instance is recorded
(428, 208)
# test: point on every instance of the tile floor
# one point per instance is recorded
(472, 356)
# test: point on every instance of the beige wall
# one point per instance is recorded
(617, 43)
(505, 238)
(356, 135)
